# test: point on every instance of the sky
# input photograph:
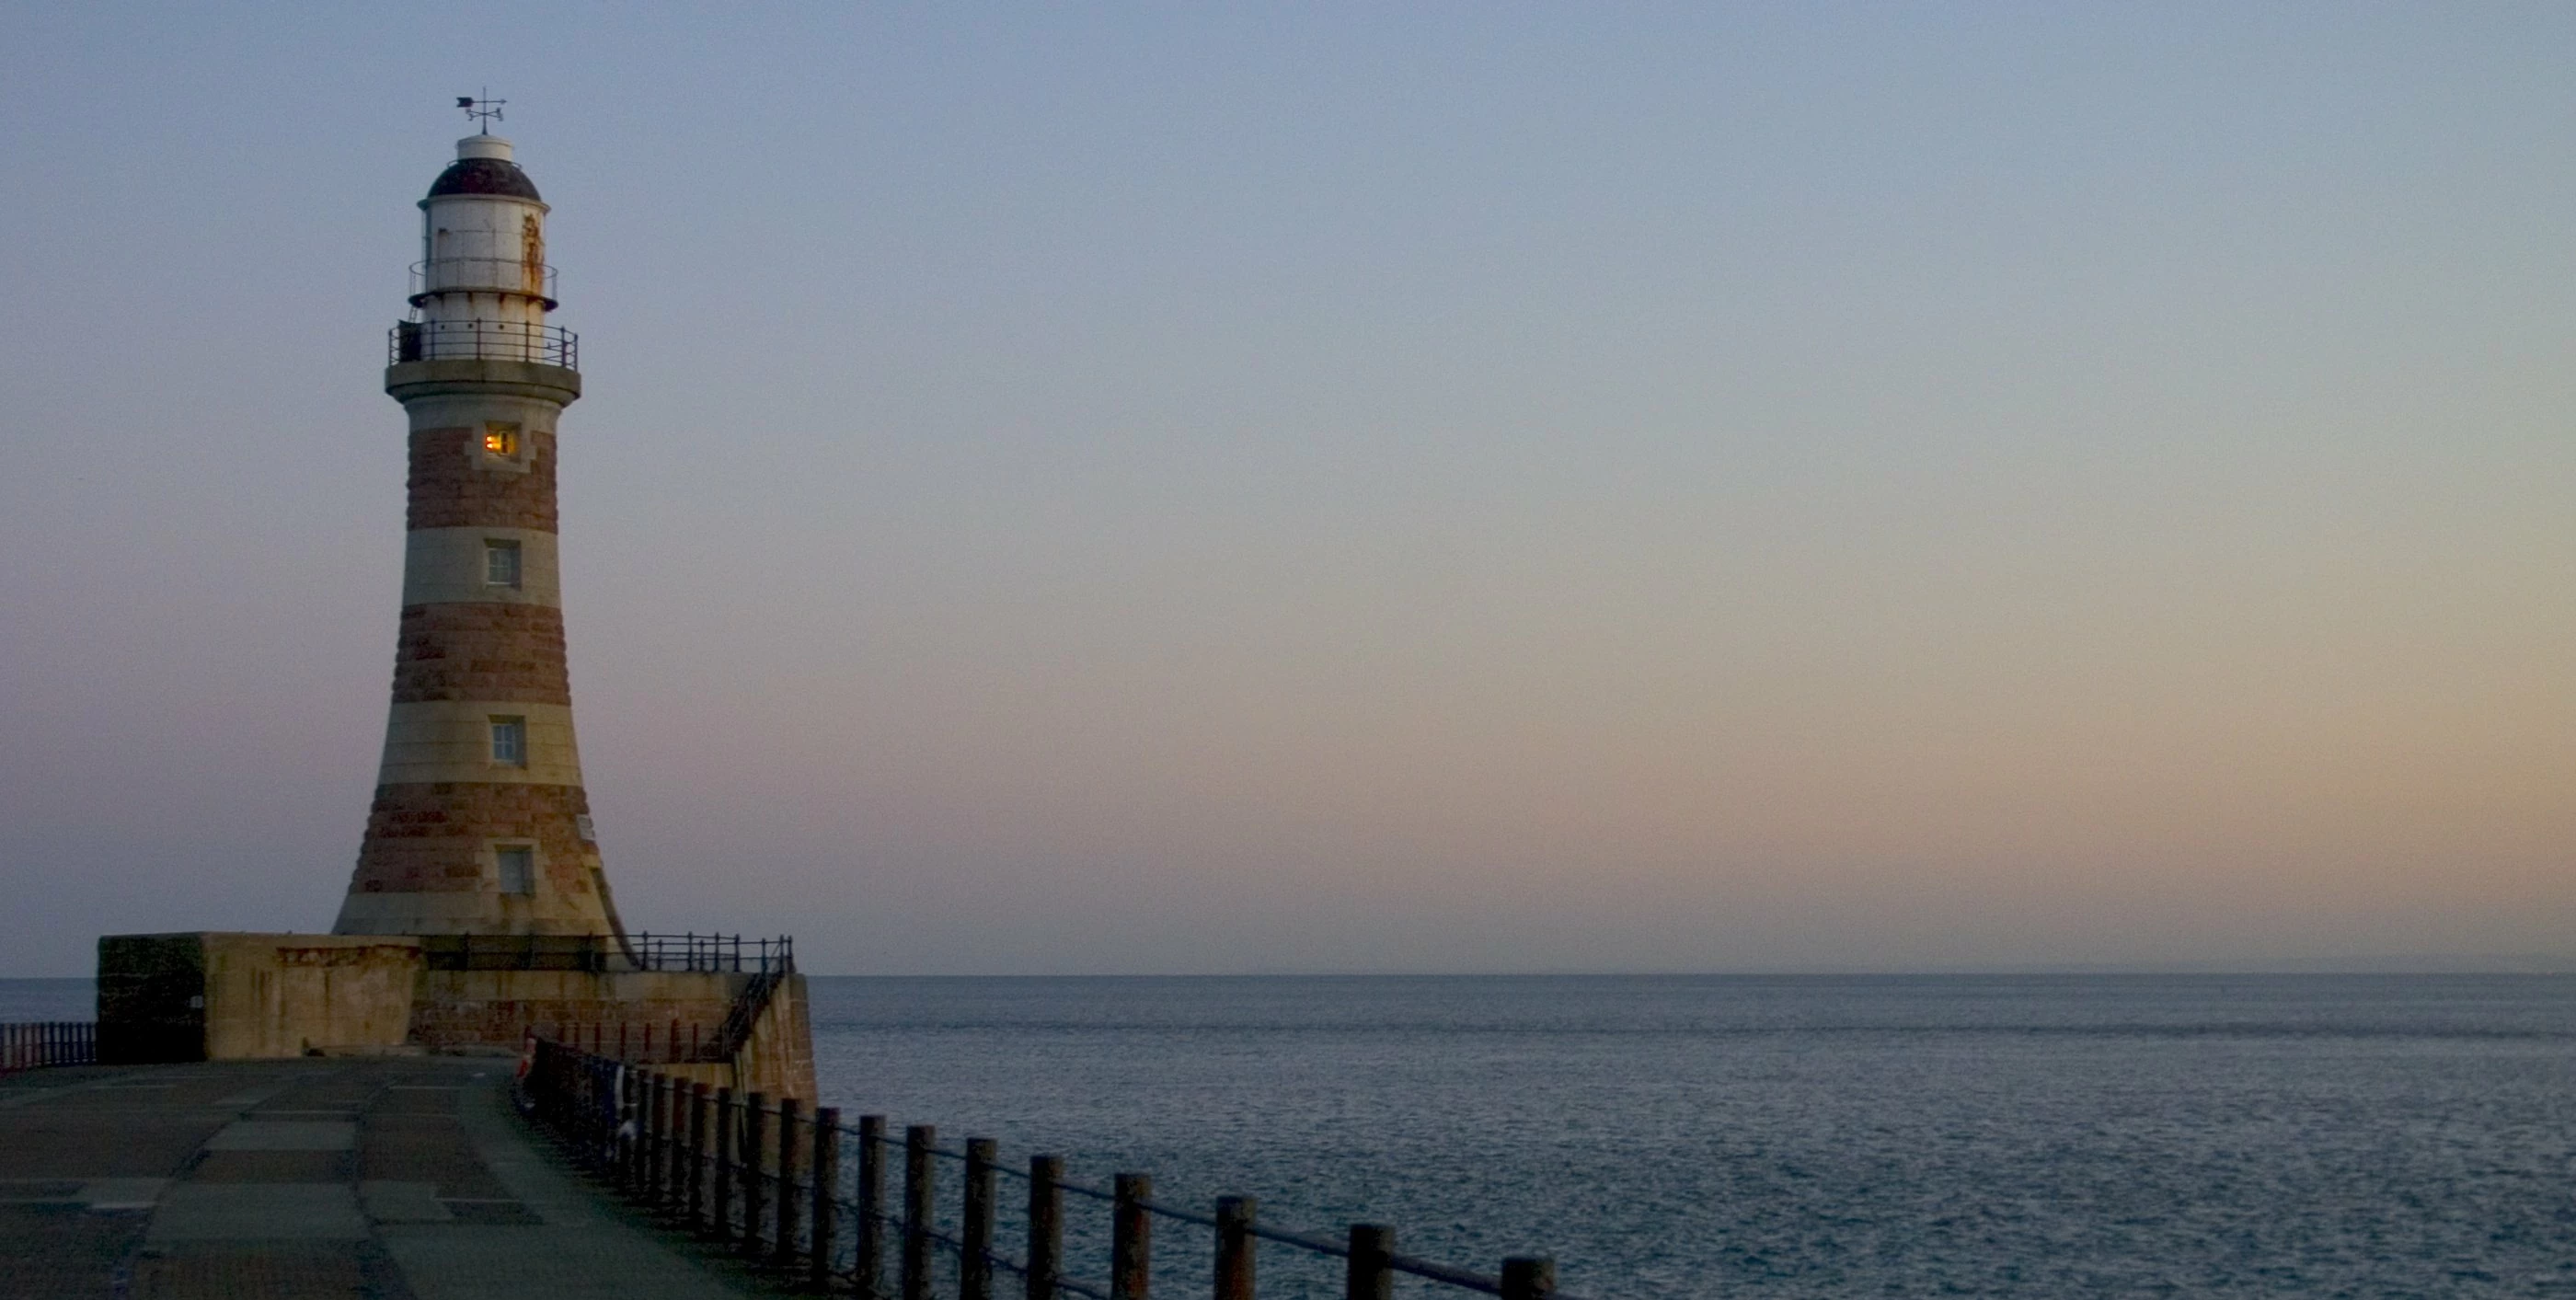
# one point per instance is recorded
(1438, 487)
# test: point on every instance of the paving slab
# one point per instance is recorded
(257, 1212)
(505, 1263)
(391, 1201)
(286, 1135)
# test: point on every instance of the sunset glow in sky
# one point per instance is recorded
(1442, 487)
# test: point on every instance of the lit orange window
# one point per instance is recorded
(501, 439)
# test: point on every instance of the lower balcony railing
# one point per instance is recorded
(482, 340)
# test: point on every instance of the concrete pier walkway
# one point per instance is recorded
(393, 1179)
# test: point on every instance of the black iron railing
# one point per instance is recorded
(713, 952)
(573, 952)
(744, 1015)
(628, 1039)
(37, 1044)
(631, 1041)
(482, 340)
(808, 1198)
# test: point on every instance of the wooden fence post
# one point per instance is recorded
(1046, 1225)
(867, 1240)
(826, 1167)
(603, 1113)
(657, 1145)
(630, 1124)
(640, 1176)
(755, 1145)
(697, 1175)
(920, 1202)
(726, 1129)
(1131, 1238)
(1526, 1278)
(612, 1091)
(1234, 1244)
(1372, 1271)
(640, 1173)
(676, 1144)
(783, 1254)
(975, 1225)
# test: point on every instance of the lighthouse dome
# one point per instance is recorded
(483, 166)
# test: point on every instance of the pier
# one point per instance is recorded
(396, 1178)
(570, 1174)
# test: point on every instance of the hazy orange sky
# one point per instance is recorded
(1441, 487)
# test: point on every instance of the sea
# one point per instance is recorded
(1807, 1136)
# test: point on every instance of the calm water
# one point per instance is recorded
(2072, 1136)
(2060, 1136)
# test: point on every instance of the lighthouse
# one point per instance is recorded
(479, 823)
(477, 917)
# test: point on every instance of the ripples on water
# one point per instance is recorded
(2043, 1136)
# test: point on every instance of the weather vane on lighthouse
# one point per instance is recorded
(484, 112)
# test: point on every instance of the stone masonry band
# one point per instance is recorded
(440, 837)
(481, 651)
(457, 483)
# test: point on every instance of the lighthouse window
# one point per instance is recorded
(501, 439)
(510, 741)
(500, 564)
(518, 869)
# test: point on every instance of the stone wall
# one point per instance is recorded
(465, 1009)
(634, 1014)
(191, 997)
(779, 1059)
(270, 995)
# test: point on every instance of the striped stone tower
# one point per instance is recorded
(480, 825)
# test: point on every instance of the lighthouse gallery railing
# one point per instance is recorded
(482, 340)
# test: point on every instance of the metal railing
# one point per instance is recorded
(768, 961)
(483, 275)
(482, 340)
(744, 1015)
(709, 953)
(639, 1042)
(768, 1180)
(574, 952)
(34, 1045)
(712, 952)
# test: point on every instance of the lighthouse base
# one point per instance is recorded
(207, 996)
